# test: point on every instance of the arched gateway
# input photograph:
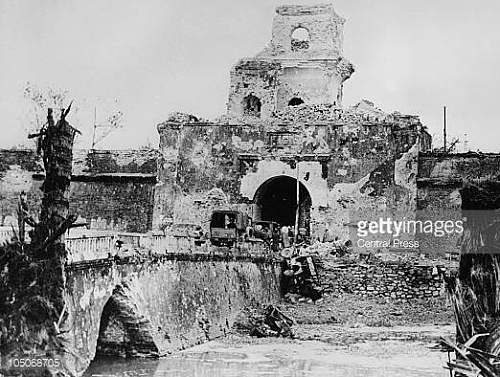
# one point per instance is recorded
(276, 200)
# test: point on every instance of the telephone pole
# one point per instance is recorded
(444, 129)
(297, 188)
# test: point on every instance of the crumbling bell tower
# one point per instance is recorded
(303, 63)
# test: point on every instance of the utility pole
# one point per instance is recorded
(95, 127)
(444, 129)
(297, 189)
(113, 122)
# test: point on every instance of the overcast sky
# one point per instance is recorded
(149, 58)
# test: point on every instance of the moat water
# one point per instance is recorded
(284, 358)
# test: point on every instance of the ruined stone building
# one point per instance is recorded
(285, 120)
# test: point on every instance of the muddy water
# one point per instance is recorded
(285, 358)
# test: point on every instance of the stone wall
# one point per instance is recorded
(163, 305)
(126, 161)
(440, 181)
(324, 26)
(17, 168)
(349, 168)
(110, 189)
(125, 206)
(394, 280)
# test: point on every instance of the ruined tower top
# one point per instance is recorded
(306, 32)
(302, 64)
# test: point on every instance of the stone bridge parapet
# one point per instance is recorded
(123, 245)
(153, 304)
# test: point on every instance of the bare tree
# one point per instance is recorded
(107, 116)
(41, 99)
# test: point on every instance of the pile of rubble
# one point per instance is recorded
(180, 117)
(264, 322)
(310, 113)
(364, 111)
(300, 276)
(325, 249)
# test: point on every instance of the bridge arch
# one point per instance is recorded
(276, 200)
(123, 331)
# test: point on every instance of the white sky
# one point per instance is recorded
(159, 56)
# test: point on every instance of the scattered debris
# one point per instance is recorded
(324, 249)
(300, 277)
(362, 112)
(217, 195)
(265, 322)
(180, 117)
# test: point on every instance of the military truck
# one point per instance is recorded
(228, 227)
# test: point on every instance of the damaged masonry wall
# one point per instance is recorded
(440, 181)
(110, 189)
(351, 163)
(284, 116)
(395, 279)
(303, 63)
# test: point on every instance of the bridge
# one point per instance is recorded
(152, 294)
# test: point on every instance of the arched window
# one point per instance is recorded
(300, 39)
(251, 106)
(295, 101)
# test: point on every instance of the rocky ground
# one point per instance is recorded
(349, 320)
(349, 310)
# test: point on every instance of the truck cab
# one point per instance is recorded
(227, 227)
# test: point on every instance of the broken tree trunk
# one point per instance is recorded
(57, 151)
(56, 142)
(32, 277)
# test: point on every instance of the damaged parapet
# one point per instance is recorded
(303, 64)
(364, 112)
(180, 117)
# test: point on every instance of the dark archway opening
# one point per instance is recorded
(122, 331)
(295, 101)
(251, 105)
(276, 200)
